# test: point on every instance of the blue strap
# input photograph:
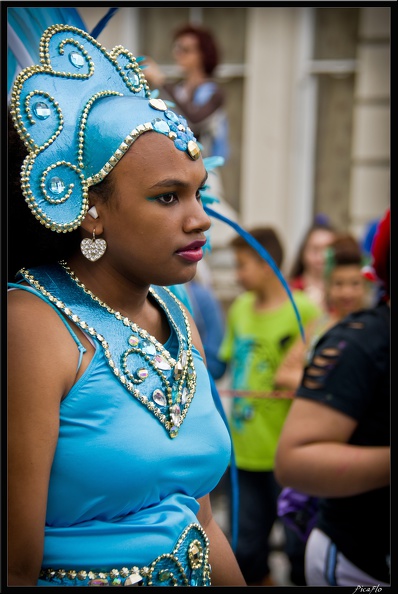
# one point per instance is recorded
(263, 253)
(331, 563)
(81, 348)
(233, 469)
(103, 22)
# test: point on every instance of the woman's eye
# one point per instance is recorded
(199, 192)
(168, 199)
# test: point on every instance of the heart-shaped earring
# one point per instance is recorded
(93, 249)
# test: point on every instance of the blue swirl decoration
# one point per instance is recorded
(79, 98)
(25, 27)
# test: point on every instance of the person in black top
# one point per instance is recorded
(335, 444)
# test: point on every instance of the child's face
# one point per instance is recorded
(346, 289)
(250, 269)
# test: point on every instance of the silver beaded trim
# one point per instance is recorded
(45, 66)
(126, 381)
(198, 558)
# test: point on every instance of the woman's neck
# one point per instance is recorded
(119, 294)
(112, 288)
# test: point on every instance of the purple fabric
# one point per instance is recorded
(297, 511)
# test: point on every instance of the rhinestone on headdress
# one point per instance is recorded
(79, 98)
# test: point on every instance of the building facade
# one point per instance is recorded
(308, 102)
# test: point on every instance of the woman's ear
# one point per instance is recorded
(92, 221)
(93, 212)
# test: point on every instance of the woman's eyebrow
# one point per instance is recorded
(170, 182)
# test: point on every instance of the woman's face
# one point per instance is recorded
(186, 52)
(154, 221)
(314, 251)
(346, 289)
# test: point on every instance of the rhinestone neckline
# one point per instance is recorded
(171, 381)
(127, 321)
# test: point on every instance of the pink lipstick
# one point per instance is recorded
(193, 251)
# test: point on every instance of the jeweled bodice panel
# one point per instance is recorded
(162, 383)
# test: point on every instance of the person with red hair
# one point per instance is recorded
(197, 96)
(335, 443)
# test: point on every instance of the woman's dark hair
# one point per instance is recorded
(29, 243)
(297, 268)
(207, 45)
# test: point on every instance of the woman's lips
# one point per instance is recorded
(192, 252)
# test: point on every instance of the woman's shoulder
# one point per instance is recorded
(365, 332)
(25, 302)
(33, 320)
(29, 314)
(41, 340)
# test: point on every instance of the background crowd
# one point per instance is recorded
(298, 410)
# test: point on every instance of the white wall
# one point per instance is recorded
(122, 29)
(278, 123)
(370, 169)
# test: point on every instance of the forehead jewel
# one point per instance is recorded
(78, 112)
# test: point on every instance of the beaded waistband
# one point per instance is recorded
(186, 565)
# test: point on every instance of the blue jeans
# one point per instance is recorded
(258, 493)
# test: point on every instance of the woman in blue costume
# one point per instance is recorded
(114, 439)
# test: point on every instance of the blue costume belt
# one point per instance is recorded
(186, 565)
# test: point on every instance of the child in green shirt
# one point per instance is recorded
(261, 325)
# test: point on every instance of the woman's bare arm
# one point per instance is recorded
(313, 455)
(42, 362)
(225, 569)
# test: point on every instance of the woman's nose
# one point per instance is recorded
(197, 218)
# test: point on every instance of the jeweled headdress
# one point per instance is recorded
(78, 112)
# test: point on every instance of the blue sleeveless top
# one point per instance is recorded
(121, 490)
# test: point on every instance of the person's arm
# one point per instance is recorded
(193, 112)
(153, 73)
(225, 569)
(290, 371)
(313, 455)
(42, 362)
